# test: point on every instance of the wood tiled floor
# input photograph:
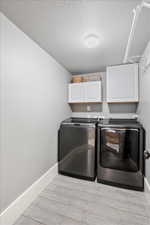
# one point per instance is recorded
(69, 201)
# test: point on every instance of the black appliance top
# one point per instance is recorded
(119, 123)
(75, 120)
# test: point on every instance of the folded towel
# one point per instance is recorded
(115, 140)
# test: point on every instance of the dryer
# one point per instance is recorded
(120, 153)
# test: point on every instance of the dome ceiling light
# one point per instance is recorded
(91, 41)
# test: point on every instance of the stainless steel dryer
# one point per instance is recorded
(77, 148)
(120, 160)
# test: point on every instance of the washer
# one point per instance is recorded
(77, 148)
(120, 157)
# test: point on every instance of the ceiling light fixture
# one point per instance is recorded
(91, 40)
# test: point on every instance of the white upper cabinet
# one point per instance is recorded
(85, 92)
(122, 83)
(92, 91)
(76, 92)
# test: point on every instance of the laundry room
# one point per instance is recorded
(74, 112)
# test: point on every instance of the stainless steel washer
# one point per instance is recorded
(77, 148)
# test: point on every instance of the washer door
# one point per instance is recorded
(120, 149)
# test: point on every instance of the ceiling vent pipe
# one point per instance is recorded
(136, 14)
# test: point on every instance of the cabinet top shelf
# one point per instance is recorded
(85, 102)
(84, 82)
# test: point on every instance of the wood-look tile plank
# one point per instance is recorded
(27, 221)
(60, 208)
(43, 215)
(68, 221)
(116, 219)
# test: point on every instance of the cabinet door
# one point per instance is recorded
(122, 83)
(92, 91)
(76, 92)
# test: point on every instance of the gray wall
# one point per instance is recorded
(144, 105)
(33, 102)
(113, 108)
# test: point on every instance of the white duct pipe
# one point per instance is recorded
(136, 12)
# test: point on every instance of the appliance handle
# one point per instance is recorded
(113, 128)
(146, 154)
(77, 124)
(85, 125)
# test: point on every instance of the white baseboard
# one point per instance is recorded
(147, 185)
(16, 208)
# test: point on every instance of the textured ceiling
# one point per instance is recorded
(59, 26)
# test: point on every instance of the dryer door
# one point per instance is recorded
(120, 149)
